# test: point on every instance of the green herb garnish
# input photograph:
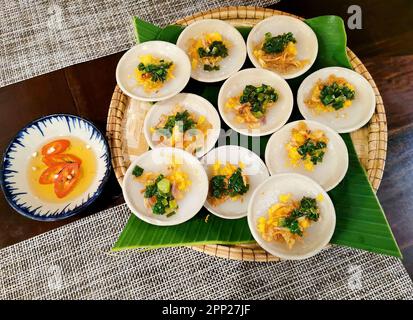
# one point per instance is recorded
(236, 185)
(258, 98)
(161, 190)
(170, 214)
(208, 67)
(292, 224)
(182, 119)
(159, 207)
(308, 208)
(151, 189)
(220, 187)
(277, 44)
(137, 171)
(215, 49)
(157, 72)
(312, 149)
(335, 95)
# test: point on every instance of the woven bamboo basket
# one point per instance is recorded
(370, 141)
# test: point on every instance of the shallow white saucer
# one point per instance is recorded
(125, 70)
(316, 237)
(277, 115)
(345, 120)
(158, 160)
(328, 173)
(255, 169)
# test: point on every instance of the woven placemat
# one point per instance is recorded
(75, 262)
(40, 36)
(370, 141)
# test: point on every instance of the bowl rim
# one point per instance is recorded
(246, 131)
(326, 128)
(151, 99)
(290, 18)
(229, 26)
(216, 131)
(262, 242)
(301, 104)
(77, 209)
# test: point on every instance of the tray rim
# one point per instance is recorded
(373, 157)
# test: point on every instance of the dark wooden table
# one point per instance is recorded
(384, 44)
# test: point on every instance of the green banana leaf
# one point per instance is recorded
(361, 222)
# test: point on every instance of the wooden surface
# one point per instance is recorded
(383, 44)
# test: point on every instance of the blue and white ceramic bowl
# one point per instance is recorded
(14, 178)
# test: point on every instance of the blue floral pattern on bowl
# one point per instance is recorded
(28, 140)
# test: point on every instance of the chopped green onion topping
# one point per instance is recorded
(278, 43)
(137, 171)
(336, 95)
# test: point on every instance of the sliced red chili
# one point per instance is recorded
(65, 158)
(67, 179)
(55, 147)
(48, 176)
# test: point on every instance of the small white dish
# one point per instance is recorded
(255, 169)
(315, 238)
(345, 120)
(307, 44)
(276, 116)
(26, 144)
(158, 160)
(237, 51)
(328, 173)
(194, 104)
(125, 70)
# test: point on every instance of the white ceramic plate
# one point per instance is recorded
(255, 169)
(194, 104)
(328, 173)
(345, 120)
(316, 237)
(29, 140)
(160, 49)
(157, 160)
(237, 52)
(276, 116)
(307, 45)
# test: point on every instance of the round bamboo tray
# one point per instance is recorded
(370, 141)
